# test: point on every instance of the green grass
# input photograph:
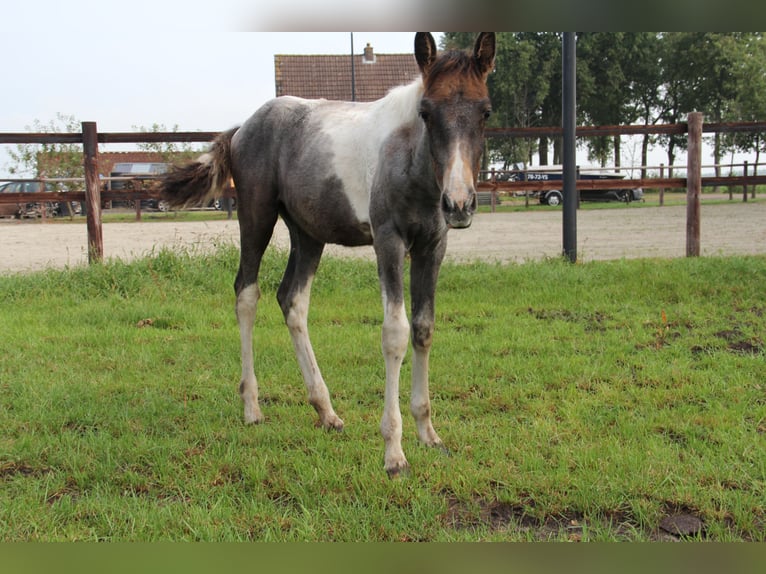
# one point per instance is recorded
(584, 402)
(124, 215)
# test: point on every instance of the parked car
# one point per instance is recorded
(626, 195)
(141, 175)
(556, 197)
(34, 209)
(8, 209)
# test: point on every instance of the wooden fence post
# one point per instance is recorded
(92, 193)
(662, 189)
(755, 185)
(744, 186)
(693, 184)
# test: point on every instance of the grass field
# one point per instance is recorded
(619, 400)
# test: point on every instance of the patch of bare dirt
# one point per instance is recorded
(678, 522)
(728, 229)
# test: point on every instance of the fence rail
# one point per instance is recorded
(93, 196)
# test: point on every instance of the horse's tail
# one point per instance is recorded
(200, 180)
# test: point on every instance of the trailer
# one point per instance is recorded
(556, 173)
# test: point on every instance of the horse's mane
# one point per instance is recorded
(402, 101)
(451, 62)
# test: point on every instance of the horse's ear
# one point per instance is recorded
(484, 52)
(425, 51)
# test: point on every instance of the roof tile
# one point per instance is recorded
(329, 77)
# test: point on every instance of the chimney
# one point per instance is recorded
(369, 56)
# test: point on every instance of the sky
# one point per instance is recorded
(193, 65)
(178, 63)
(206, 82)
(196, 74)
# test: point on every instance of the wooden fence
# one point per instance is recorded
(93, 195)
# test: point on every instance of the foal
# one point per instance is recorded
(395, 173)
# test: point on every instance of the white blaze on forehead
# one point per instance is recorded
(457, 182)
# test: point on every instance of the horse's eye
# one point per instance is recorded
(487, 114)
(424, 115)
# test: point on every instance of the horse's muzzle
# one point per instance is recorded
(459, 215)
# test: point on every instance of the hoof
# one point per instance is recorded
(402, 471)
(334, 424)
(438, 445)
(443, 449)
(254, 418)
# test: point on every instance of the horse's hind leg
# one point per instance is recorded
(255, 234)
(247, 302)
(293, 296)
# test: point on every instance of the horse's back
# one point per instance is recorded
(307, 155)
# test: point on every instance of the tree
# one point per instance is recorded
(618, 69)
(714, 57)
(65, 161)
(525, 65)
(548, 55)
(50, 160)
(749, 103)
(703, 72)
(645, 78)
(169, 152)
(624, 78)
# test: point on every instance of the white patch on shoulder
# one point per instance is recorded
(357, 132)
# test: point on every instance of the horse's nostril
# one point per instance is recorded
(450, 206)
(447, 205)
(474, 202)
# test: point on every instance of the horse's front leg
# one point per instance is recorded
(394, 341)
(424, 273)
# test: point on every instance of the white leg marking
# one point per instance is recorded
(420, 403)
(319, 396)
(247, 303)
(396, 331)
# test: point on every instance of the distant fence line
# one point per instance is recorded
(93, 195)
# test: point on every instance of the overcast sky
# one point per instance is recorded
(125, 64)
(182, 63)
(207, 81)
(197, 65)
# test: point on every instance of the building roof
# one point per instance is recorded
(108, 159)
(47, 164)
(329, 76)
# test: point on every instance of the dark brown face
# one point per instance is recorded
(456, 135)
(454, 109)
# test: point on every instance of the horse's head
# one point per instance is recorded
(454, 108)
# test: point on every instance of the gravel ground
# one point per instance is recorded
(726, 229)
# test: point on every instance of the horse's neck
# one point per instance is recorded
(396, 114)
(423, 167)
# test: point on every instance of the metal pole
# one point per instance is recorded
(353, 71)
(569, 177)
